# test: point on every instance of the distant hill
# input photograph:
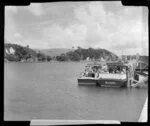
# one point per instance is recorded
(15, 52)
(87, 54)
(54, 51)
(84, 53)
(16, 47)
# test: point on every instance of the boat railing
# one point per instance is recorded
(112, 76)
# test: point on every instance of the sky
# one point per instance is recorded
(108, 25)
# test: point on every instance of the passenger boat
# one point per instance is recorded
(112, 74)
(115, 77)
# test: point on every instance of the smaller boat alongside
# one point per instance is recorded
(88, 77)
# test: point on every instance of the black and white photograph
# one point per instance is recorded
(76, 62)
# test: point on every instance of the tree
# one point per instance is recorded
(20, 53)
(73, 56)
(28, 56)
(12, 57)
(48, 58)
(82, 54)
(62, 57)
(41, 56)
(79, 47)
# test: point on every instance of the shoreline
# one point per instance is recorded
(48, 61)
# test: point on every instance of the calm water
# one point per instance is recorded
(50, 91)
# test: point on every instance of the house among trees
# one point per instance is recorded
(88, 59)
(11, 50)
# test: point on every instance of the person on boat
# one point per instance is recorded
(123, 71)
(115, 70)
(119, 68)
(93, 72)
(82, 74)
(104, 69)
(93, 69)
(99, 70)
(86, 72)
(90, 69)
(96, 74)
(110, 70)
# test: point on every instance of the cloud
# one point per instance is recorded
(36, 9)
(17, 35)
(10, 27)
(11, 30)
(58, 36)
(92, 24)
(11, 9)
(96, 27)
(121, 30)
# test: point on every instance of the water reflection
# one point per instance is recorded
(118, 93)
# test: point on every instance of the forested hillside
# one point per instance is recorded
(14, 52)
(87, 54)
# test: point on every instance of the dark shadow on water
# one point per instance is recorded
(114, 90)
(96, 89)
